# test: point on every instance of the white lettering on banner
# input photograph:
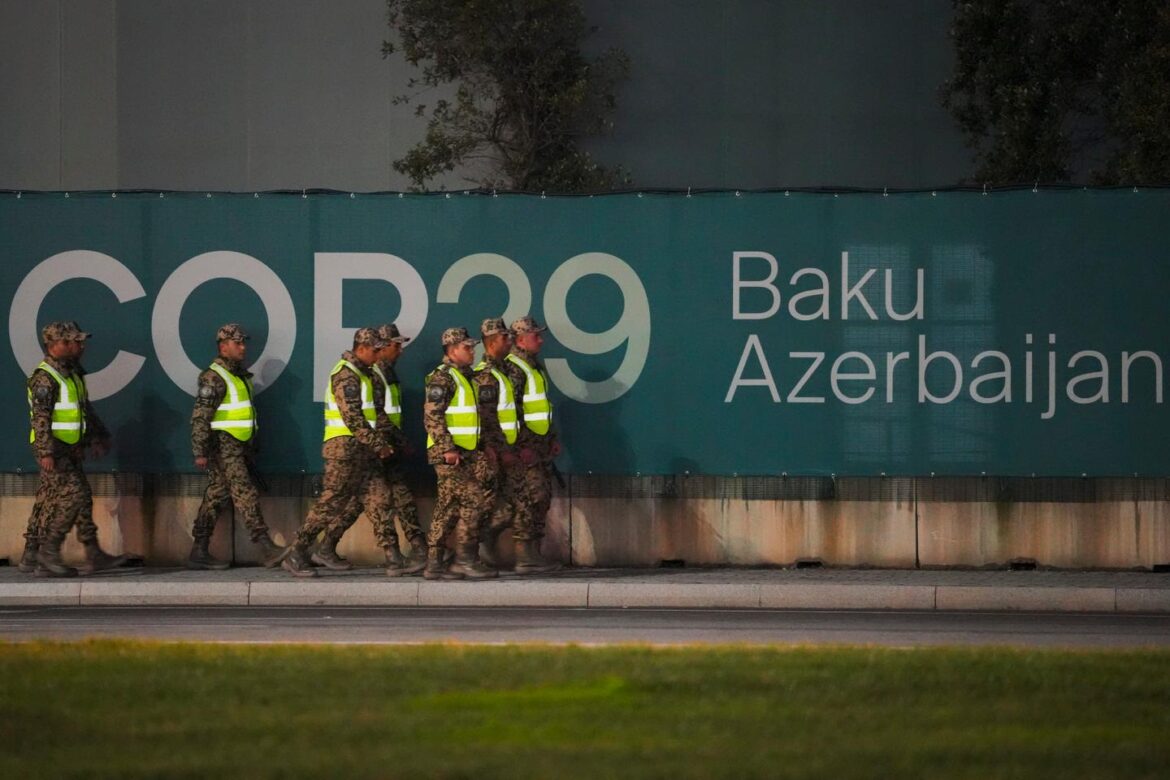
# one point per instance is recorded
(330, 337)
(488, 264)
(946, 385)
(168, 310)
(330, 270)
(632, 328)
(26, 306)
(738, 284)
(850, 293)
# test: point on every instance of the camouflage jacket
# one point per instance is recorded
(392, 432)
(347, 392)
(208, 396)
(516, 378)
(526, 439)
(439, 392)
(43, 389)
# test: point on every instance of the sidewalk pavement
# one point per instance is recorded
(726, 588)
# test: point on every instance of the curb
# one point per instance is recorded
(585, 594)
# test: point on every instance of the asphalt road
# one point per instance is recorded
(584, 626)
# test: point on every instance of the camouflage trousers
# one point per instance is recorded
(63, 500)
(228, 479)
(467, 493)
(396, 502)
(524, 500)
(349, 485)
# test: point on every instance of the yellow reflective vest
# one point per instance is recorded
(235, 414)
(392, 400)
(506, 405)
(334, 425)
(462, 415)
(537, 407)
(68, 422)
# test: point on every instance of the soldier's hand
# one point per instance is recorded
(527, 456)
(508, 457)
(201, 463)
(385, 452)
(46, 463)
(492, 457)
(556, 448)
(451, 457)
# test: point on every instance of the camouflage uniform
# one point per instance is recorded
(64, 498)
(63, 495)
(511, 481)
(399, 501)
(54, 489)
(467, 490)
(229, 477)
(350, 479)
(534, 496)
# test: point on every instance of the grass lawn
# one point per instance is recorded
(133, 709)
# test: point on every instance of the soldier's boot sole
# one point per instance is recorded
(295, 571)
(56, 572)
(442, 575)
(107, 563)
(473, 572)
(537, 568)
(333, 564)
(212, 565)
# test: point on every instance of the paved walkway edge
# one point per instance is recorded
(587, 594)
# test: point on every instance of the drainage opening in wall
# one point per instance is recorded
(809, 563)
(1162, 568)
(672, 563)
(1022, 564)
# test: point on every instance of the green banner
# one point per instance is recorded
(1007, 333)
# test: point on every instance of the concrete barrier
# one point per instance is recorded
(697, 520)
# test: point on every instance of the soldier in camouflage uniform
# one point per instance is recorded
(399, 501)
(537, 446)
(464, 460)
(64, 423)
(223, 440)
(352, 442)
(497, 341)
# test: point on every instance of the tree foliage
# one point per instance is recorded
(524, 93)
(1057, 90)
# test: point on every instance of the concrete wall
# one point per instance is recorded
(250, 95)
(701, 520)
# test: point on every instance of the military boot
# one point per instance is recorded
(395, 563)
(201, 558)
(325, 554)
(271, 553)
(417, 560)
(97, 559)
(296, 562)
(487, 546)
(28, 561)
(49, 563)
(529, 559)
(436, 568)
(467, 564)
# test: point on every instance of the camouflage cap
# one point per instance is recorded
(369, 337)
(457, 336)
(66, 330)
(389, 333)
(492, 326)
(233, 331)
(527, 325)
